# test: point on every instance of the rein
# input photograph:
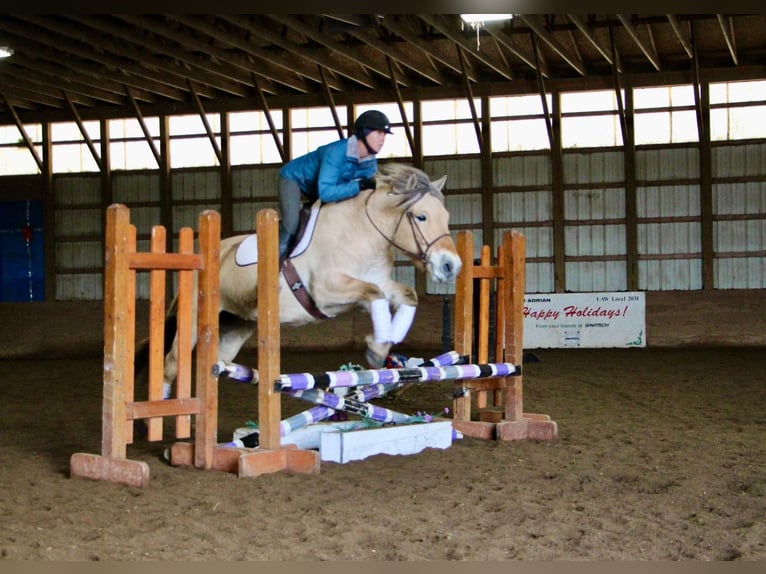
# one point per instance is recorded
(423, 245)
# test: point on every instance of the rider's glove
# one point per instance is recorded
(366, 183)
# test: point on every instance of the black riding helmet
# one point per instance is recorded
(371, 120)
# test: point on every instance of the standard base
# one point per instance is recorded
(97, 467)
(251, 461)
(491, 426)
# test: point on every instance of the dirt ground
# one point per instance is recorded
(661, 456)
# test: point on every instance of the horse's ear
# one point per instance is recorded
(439, 183)
(412, 182)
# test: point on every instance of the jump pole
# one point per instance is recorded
(505, 419)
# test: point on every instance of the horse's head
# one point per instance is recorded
(421, 228)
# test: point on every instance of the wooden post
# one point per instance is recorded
(269, 401)
(206, 423)
(463, 323)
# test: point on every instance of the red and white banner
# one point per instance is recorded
(610, 319)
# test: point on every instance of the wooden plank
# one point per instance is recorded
(463, 315)
(156, 332)
(169, 261)
(482, 347)
(162, 408)
(500, 325)
(269, 401)
(130, 334)
(514, 247)
(206, 423)
(116, 276)
(185, 331)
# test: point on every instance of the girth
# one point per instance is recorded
(300, 291)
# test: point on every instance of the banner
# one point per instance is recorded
(612, 319)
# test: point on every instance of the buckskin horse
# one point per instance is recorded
(344, 260)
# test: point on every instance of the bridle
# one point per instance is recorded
(423, 245)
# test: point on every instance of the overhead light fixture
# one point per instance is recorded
(481, 18)
(6, 52)
(476, 21)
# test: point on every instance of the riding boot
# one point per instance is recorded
(285, 242)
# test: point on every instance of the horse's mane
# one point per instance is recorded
(407, 182)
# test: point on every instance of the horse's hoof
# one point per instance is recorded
(376, 352)
(374, 360)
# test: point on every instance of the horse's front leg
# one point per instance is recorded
(392, 318)
(391, 306)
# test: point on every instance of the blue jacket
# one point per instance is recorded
(332, 171)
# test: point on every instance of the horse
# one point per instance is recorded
(346, 263)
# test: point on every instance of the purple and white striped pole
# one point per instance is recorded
(334, 379)
(339, 403)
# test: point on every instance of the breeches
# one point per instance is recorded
(289, 204)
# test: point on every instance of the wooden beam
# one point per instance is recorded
(532, 22)
(24, 135)
(702, 106)
(227, 191)
(336, 49)
(397, 27)
(331, 103)
(144, 128)
(590, 35)
(451, 31)
(676, 25)
(544, 100)
(400, 54)
(506, 41)
(469, 97)
(206, 123)
(272, 126)
(341, 67)
(727, 29)
(487, 177)
(400, 103)
(150, 68)
(647, 49)
(84, 133)
(267, 67)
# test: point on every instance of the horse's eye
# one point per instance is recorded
(421, 217)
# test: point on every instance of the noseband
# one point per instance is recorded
(423, 245)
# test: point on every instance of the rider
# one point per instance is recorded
(332, 172)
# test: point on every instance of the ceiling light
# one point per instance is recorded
(6, 52)
(482, 18)
(477, 21)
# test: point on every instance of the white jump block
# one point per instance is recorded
(345, 446)
(345, 441)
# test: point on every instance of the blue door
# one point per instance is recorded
(22, 269)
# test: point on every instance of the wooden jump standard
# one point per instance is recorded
(504, 419)
(120, 408)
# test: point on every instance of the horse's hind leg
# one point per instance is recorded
(233, 332)
(171, 367)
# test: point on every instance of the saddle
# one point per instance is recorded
(247, 254)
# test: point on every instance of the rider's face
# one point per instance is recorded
(376, 139)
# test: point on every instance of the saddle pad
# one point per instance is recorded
(247, 252)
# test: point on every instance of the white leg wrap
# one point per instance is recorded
(167, 390)
(381, 320)
(401, 323)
